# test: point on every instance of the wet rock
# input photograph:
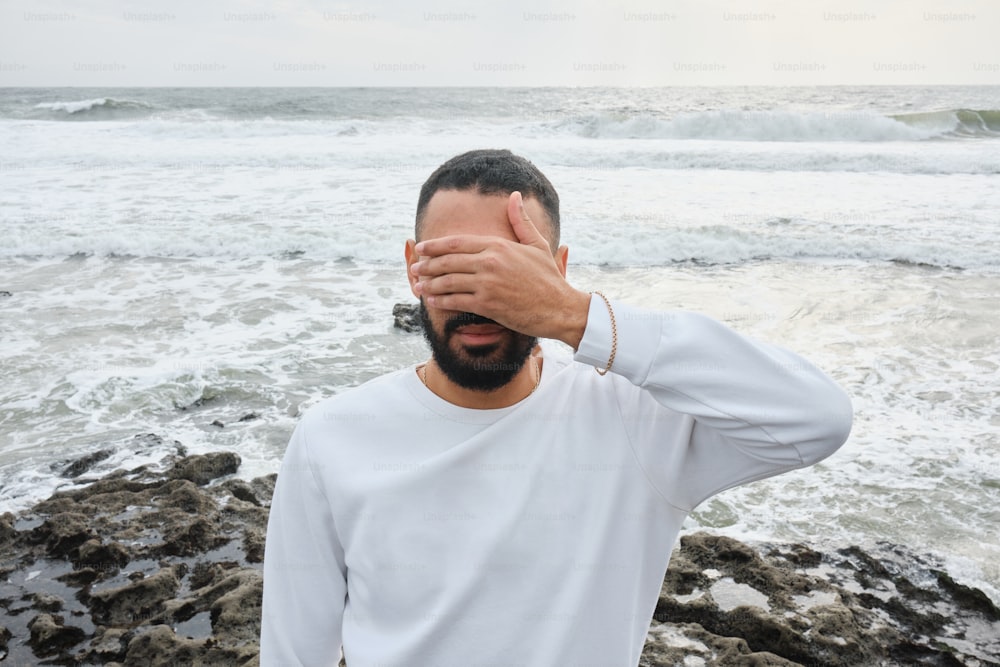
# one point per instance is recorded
(184, 495)
(203, 468)
(135, 603)
(407, 317)
(235, 610)
(161, 647)
(242, 491)
(197, 403)
(670, 644)
(80, 577)
(253, 545)
(145, 551)
(47, 602)
(5, 636)
(794, 605)
(4, 292)
(49, 635)
(248, 417)
(218, 423)
(147, 441)
(63, 533)
(190, 539)
(98, 556)
(109, 644)
(7, 530)
(263, 487)
(85, 463)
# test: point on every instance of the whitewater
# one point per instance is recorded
(176, 259)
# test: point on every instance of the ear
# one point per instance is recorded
(562, 257)
(410, 253)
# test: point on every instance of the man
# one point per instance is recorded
(505, 503)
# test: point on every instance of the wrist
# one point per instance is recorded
(574, 321)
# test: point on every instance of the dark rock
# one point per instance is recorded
(407, 317)
(193, 555)
(970, 598)
(203, 468)
(263, 488)
(191, 539)
(154, 441)
(102, 557)
(7, 530)
(243, 491)
(135, 603)
(801, 555)
(47, 602)
(235, 604)
(62, 533)
(49, 635)
(4, 292)
(253, 545)
(197, 403)
(109, 644)
(184, 495)
(248, 417)
(671, 644)
(80, 577)
(203, 574)
(793, 605)
(218, 423)
(161, 647)
(85, 463)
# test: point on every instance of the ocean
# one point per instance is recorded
(205, 263)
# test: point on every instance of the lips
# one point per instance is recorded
(480, 334)
(479, 329)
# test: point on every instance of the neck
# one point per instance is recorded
(520, 387)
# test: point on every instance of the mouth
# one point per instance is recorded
(480, 334)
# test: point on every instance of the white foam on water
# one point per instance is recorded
(72, 107)
(701, 216)
(771, 125)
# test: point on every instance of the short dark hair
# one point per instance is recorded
(492, 172)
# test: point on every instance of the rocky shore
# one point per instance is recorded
(159, 567)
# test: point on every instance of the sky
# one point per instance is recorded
(520, 43)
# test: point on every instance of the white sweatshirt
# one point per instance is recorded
(416, 533)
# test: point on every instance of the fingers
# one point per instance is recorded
(522, 225)
(446, 245)
(449, 283)
(429, 267)
(465, 303)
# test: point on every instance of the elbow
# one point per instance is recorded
(833, 421)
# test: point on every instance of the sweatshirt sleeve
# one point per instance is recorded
(305, 584)
(717, 409)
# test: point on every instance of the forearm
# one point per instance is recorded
(758, 409)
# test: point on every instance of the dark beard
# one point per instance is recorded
(483, 368)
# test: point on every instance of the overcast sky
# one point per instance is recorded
(440, 43)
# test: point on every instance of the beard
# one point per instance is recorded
(483, 368)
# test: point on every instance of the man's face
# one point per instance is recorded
(474, 352)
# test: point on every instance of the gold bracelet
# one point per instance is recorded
(614, 335)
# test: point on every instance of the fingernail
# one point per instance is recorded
(415, 268)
